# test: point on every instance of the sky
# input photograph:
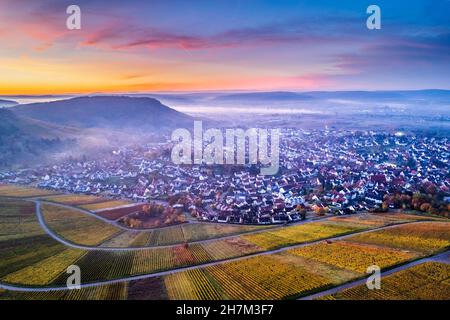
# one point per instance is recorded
(199, 45)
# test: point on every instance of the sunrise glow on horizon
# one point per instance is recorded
(222, 45)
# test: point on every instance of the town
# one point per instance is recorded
(321, 172)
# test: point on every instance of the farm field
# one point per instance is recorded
(23, 192)
(30, 257)
(291, 235)
(263, 277)
(351, 256)
(173, 235)
(114, 214)
(105, 205)
(269, 239)
(380, 219)
(74, 200)
(107, 265)
(426, 237)
(117, 291)
(426, 281)
(18, 220)
(20, 253)
(76, 226)
(45, 271)
(23, 243)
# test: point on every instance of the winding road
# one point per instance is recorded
(55, 236)
(443, 257)
(168, 272)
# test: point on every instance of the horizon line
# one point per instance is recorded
(210, 91)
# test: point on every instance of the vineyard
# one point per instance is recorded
(30, 257)
(425, 237)
(23, 192)
(76, 226)
(427, 281)
(22, 240)
(18, 220)
(74, 200)
(262, 277)
(356, 257)
(230, 248)
(45, 271)
(107, 265)
(115, 291)
(379, 220)
(298, 234)
(114, 214)
(184, 233)
(105, 205)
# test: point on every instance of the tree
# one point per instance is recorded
(425, 207)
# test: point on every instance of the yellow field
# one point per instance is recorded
(378, 219)
(72, 199)
(298, 234)
(352, 256)
(427, 281)
(28, 256)
(76, 226)
(425, 237)
(229, 248)
(152, 260)
(262, 277)
(23, 192)
(117, 291)
(105, 205)
(44, 271)
(192, 285)
(265, 277)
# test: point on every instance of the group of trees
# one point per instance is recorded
(153, 215)
(432, 203)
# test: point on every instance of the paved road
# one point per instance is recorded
(442, 257)
(58, 238)
(115, 222)
(78, 246)
(168, 272)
